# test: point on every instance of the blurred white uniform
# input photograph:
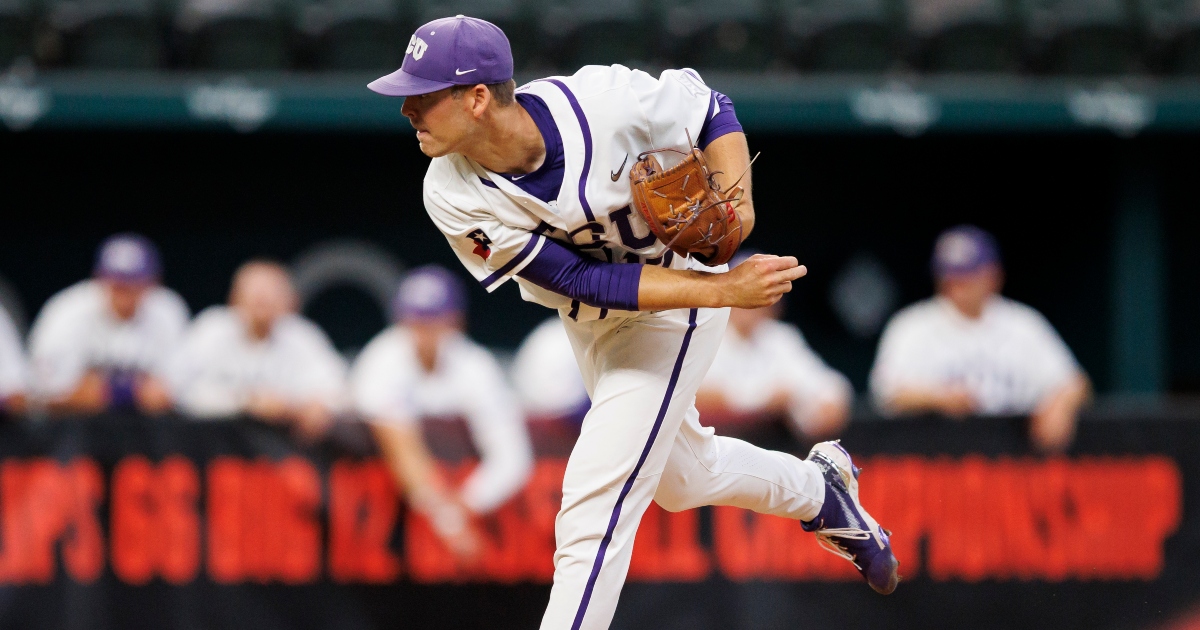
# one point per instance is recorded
(219, 366)
(77, 331)
(546, 374)
(749, 371)
(13, 377)
(1009, 359)
(390, 386)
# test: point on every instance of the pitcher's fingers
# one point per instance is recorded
(778, 288)
(777, 263)
(788, 275)
(795, 273)
(780, 277)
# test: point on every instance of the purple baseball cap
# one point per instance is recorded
(127, 258)
(429, 292)
(451, 51)
(962, 250)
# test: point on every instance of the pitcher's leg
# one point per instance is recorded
(595, 543)
(707, 469)
(646, 379)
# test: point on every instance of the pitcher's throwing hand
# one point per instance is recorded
(761, 280)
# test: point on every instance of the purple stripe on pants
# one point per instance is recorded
(616, 513)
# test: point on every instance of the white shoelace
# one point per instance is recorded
(825, 537)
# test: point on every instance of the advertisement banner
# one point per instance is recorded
(131, 522)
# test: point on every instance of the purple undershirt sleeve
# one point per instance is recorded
(722, 122)
(592, 282)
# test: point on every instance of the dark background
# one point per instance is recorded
(211, 200)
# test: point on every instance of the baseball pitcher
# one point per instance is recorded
(616, 198)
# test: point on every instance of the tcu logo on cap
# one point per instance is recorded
(416, 47)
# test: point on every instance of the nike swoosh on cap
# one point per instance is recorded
(458, 72)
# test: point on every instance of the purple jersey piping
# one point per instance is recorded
(616, 513)
(510, 265)
(708, 116)
(587, 147)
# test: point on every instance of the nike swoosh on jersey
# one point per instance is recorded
(617, 173)
(458, 72)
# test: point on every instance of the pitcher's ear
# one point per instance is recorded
(481, 98)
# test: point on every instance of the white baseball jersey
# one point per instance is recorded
(748, 371)
(13, 377)
(545, 373)
(1010, 359)
(219, 367)
(606, 116)
(76, 331)
(642, 439)
(391, 387)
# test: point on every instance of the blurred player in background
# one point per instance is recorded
(424, 369)
(969, 350)
(13, 376)
(104, 343)
(765, 369)
(547, 376)
(258, 357)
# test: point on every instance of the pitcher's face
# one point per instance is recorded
(442, 120)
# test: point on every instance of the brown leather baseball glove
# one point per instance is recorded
(686, 208)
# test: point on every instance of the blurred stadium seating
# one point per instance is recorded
(715, 34)
(579, 32)
(234, 34)
(839, 35)
(352, 34)
(16, 29)
(1173, 31)
(1067, 37)
(1082, 36)
(105, 34)
(963, 35)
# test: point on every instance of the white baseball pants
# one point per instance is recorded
(642, 441)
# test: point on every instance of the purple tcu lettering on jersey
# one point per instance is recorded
(625, 229)
(588, 236)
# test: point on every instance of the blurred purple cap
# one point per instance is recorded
(451, 51)
(127, 258)
(429, 292)
(962, 250)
